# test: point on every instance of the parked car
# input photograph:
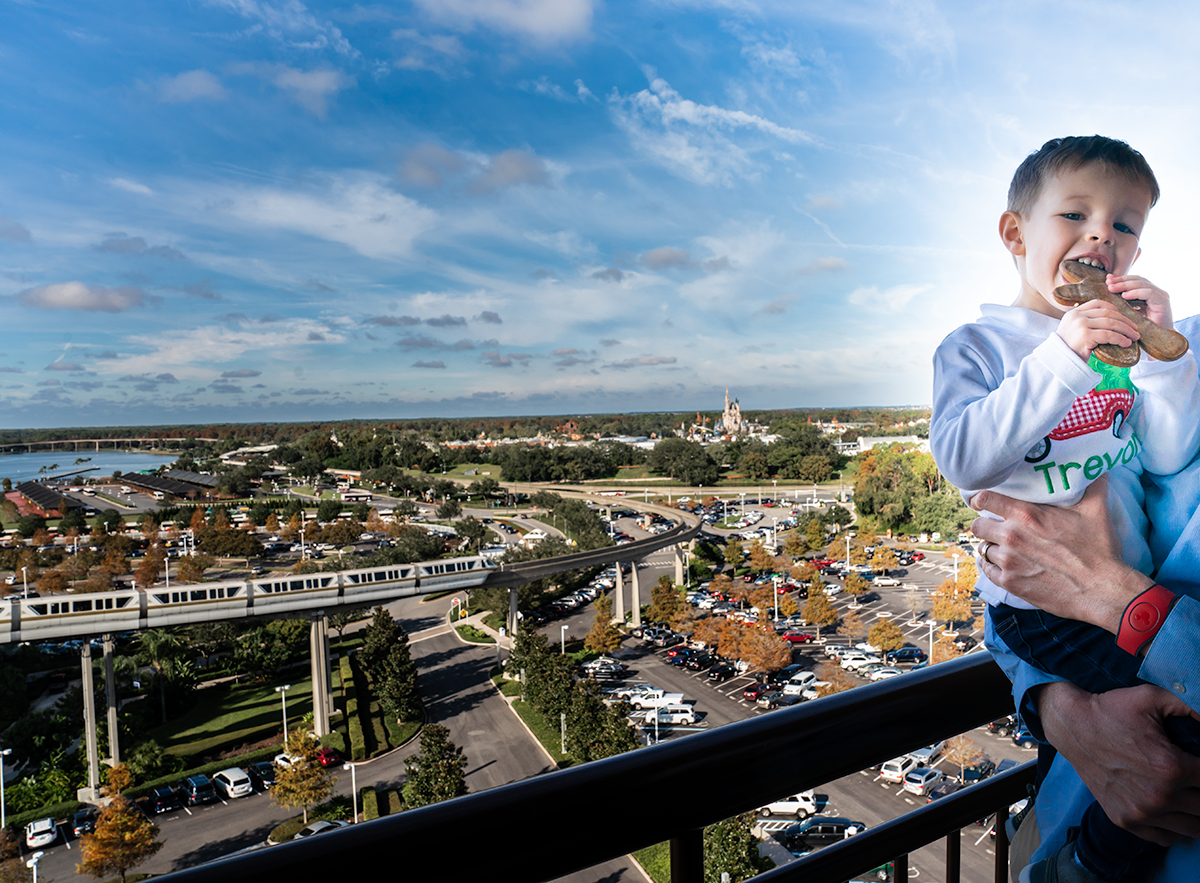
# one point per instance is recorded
(882, 673)
(41, 832)
(721, 672)
(1024, 738)
(885, 581)
(198, 789)
(233, 782)
(754, 691)
(820, 831)
(163, 799)
(798, 637)
(671, 715)
(978, 772)
(312, 829)
(787, 700)
(801, 805)
(856, 660)
(1003, 726)
(700, 661)
(896, 769)
(262, 775)
(927, 755)
(904, 654)
(921, 780)
(769, 699)
(327, 756)
(85, 821)
(943, 789)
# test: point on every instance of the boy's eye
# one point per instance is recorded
(1124, 228)
(1073, 216)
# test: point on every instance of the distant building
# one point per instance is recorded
(731, 420)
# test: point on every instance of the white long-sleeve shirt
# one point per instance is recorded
(1015, 410)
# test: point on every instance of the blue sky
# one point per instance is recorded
(268, 210)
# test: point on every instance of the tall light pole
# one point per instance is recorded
(3, 817)
(775, 585)
(353, 787)
(775, 489)
(25, 583)
(563, 639)
(847, 550)
(168, 568)
(301, 544)
(282, 691)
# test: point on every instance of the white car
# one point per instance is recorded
(855, 661)
(927, 755)
(896, 769)
(802, 681)
(885, 581)
(921, 779)
(671, 715)
(882, 674)
(40, 833)
(799, 805)
(233, 782)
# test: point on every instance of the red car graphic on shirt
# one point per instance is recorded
(1097, 410)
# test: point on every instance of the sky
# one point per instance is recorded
(272, 210)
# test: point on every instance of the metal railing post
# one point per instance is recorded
(954, 856)
(1002, 872)
(687, 856)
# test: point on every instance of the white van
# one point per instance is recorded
(233, 782)
(895, 770)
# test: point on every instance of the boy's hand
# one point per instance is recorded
(1095, 322)
(1158, 302)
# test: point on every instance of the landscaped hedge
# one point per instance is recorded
(64, 810)
(395, 803)
(370, 804)
(354, 727)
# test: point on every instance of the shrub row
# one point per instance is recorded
(378, 733)
(354, 727)
(207, 769)
(370, 804)
(395, 802)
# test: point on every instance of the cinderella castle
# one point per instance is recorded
(731, 420)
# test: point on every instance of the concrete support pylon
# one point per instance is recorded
(619, 593)
(90, 793)
(514, 621)
(318, 647)
(678, 564)
(636, 600)
(110, 692)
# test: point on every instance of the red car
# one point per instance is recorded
(754, 691)
(821, 562)
(327, 756)
(918, 556)
(798, 637)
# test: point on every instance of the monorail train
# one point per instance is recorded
(55, 617)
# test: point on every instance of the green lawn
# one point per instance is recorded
(231, 716)
(656, 860)
(549, 736)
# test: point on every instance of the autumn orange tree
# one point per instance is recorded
(192, 567)
(885, 635)
(818, 610)
(962, 751)
(837, 679)
(764, 650)
(604, 636)
(855, 586)
(124, 837)
(304, 782)
(852, 626)
(761, 559)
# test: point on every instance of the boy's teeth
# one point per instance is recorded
(1091, 262)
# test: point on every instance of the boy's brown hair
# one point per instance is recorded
(1075, 152)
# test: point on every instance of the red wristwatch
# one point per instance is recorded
(1143, 617)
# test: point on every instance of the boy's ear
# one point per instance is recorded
(1010, 233)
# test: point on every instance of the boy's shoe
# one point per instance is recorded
(1059, 868)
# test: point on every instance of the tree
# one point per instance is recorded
(192, 567)
(837, 679)
(818, 610)
(303, 782)
(595, 730)
(852, 626)
(730, 848)
(12, 863)
(604, 637)
(472, 530)
(449, 510)
(964, 752)
(733, 553)
(396, 681)
(912, 600)
(123, 839)
(763, 649)
(151, 568)
(158, 647)
(761, 560)
(437, 772)
(885, 559)
(854, 586)
(951, 602)
(666, 602)
(885, 635)
(329, 510)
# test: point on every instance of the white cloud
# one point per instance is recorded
(191, 86)
(78, 296)
(359, 211)
(886, 300)
(542, 21)
(290, 23)
(693, 139)
(508, 169)
(130, 186)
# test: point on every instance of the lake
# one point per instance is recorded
(25, 467)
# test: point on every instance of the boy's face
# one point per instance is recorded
(1087, 214)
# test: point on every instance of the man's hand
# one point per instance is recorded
(1062, 559)
(1095, 322)
(1115, 742)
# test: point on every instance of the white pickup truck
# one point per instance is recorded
(655, 699)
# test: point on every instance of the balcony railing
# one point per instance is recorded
(552, 825)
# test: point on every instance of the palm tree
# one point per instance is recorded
(157, 647)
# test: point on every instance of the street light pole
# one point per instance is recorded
(3, 816)
(301, 544)
(25, 583)
(33, 863)
(563, 640)
(775, 585)
(282, 691)
(353, 787)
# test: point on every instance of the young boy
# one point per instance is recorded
(1022, 406)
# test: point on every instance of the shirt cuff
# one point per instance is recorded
(1173, 660)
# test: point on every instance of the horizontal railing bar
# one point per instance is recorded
(906, 834)
(825, 740)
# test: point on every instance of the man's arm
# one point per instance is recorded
(1115, 742)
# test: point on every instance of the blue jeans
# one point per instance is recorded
(1089, 658)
